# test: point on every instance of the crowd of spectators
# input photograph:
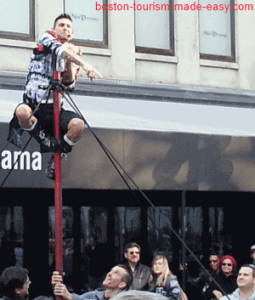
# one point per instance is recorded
(222, 281)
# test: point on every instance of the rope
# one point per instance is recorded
(119, 168)
(117, 165)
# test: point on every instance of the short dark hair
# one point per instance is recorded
(62, 16)
(249, 266)
(13, 278)
(128, 277)
(131, 245)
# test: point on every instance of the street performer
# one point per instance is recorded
(35, 114)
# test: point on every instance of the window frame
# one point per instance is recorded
(157, 51)
(22, 36)
(232, 57)
(90, 43)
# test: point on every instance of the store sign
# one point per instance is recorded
(18, 160)
(24, 167)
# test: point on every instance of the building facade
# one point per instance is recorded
(175, 108)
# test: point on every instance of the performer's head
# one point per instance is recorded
(63, 27)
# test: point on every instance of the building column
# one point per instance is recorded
(121, 31)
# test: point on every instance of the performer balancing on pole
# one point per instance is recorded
(35, 114)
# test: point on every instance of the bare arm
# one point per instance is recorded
(70, 74)
(70, 57)
(217, 294)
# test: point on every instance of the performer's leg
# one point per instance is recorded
(30, 123)
(72, 127)
(74, 131)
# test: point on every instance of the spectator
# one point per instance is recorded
(193, 284)
(245, 283)
(164, 281)
(214, 263)
(206, 277)
(226, 278)
(142, 275)
(116, 281)
(15, 283)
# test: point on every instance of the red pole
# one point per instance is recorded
(58, 181)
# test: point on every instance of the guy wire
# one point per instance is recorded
(115, 163)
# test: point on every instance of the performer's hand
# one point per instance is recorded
(92, 73)
(76, 50)
(69, 56)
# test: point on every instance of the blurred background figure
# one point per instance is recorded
(138, 295)
(252, 254)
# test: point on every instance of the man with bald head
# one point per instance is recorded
(117, 280)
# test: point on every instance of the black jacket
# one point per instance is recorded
(228, 285)
(142, 278)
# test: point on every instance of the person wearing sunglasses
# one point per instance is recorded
(214, 263)
(226, 278)
(142, 275)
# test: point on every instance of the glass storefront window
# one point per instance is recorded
(160, 241)
(68, 243)
(94, 247)
(217, 236)
(194, 228)
(11, 236)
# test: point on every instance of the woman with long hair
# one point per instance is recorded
(164, 281)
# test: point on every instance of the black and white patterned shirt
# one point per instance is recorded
(40, 70)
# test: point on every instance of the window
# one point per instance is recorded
(194, 228)
(17, 19)
(220, 241)
(89, 22)
(11, 236)
(217, 30)
(68, 242)
(154, 27)
(94, 249)
(159, 233)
